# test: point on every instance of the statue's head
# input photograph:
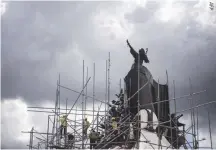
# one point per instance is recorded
(141, 51)
(143, 55)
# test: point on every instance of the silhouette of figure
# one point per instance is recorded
(142, 54)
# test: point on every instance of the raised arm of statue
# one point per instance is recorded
(132, 51)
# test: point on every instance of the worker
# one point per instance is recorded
(70, 140)
(86, 125)
(142, 55)
(175, 121)
(114, 125)
(115, 129)
(113, 111)
(63, 126)
(93, 136)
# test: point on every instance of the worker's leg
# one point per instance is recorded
(91, 144)
(84, 132)
(94, 143)
(115, 133)
(65, 131)
(61, 128)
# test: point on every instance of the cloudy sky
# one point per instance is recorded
(39, 40)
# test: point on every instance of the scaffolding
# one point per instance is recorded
(75, 115)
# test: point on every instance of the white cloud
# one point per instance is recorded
(110, 23)
(3, 7)
(203, 14)
(171, 12)
(16, 118)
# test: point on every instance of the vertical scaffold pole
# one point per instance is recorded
(174, 97)
(138, 104)
(210, 135)
(158, 107)
(197, 128)
(66, 126)
(75, 121)
(192, 114)
(86, 92)
(83, 107)
(55, 119)
(48, 132)
(97, 118)
(93, 92)
(106, 100)
(169, 107)
(59, 107)
(56, 114)
(30, 139)
(109, 78)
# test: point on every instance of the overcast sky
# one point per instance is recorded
(42, 39)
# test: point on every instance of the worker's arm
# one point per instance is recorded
(132, 51)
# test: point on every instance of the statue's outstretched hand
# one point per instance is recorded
(128, 43)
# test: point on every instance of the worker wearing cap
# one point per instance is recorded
(63, 126)
(86, 125)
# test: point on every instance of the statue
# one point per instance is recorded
(142, 80)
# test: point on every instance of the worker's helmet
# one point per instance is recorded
(65, 116)
(113, 118)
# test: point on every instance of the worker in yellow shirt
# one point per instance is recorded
(86, 125)
(114, 124)
(63, 126)
(115, 128)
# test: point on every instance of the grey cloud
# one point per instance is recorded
(142, 15)
(32, 40)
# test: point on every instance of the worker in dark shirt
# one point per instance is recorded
(93, 136)
(71, 140)
(141, 56)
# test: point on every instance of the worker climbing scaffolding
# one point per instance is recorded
(86, 125)
(63, 126)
